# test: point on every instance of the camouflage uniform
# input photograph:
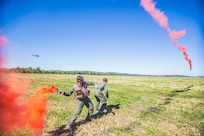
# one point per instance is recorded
(99, 95)
(81, 102)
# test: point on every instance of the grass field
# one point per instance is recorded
(137, 106)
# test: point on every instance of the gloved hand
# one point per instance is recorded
(59, 92)
(85, 84)
(107, 95)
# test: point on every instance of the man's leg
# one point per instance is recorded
(97, 103)
(79, 108)
(103, 100)
(90, 107)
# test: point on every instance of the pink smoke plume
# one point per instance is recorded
(3, 41)
(15, 114)
(162, 20)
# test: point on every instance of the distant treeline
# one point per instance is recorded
(39, 70)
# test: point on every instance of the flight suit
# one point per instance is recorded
(81, 102)
(100, 96)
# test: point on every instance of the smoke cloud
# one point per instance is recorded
(162, 20)
(17, 112)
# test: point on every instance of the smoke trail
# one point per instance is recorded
(15, 113)
(162, 20)
(3, 41)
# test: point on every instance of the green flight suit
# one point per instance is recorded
(80, 103)
(100, 96)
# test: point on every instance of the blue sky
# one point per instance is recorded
(102, 35)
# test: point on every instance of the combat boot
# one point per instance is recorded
(88, 119)
(101, 113)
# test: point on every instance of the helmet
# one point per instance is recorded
(80, 78)
(105, 80)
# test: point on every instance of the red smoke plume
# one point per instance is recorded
(36, 107)
(16, 113)
(13, 113)
(162, 20)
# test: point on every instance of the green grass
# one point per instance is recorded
(139, 105)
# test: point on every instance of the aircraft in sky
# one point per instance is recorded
(35, 55)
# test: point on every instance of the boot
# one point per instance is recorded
(88, 119)
(102, 108)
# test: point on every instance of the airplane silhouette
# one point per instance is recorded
(35, 55)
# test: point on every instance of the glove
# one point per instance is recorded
(107, 95)
(85, 84)
(59, 92)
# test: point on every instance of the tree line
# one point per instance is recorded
(39, 70)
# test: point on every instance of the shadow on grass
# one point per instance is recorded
(58, 131)
(156, 109)
(109, 109)
(174, 93)
(63, 131)
(169, 98)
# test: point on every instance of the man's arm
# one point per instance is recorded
(69, 93)
(90, 83)
(106, 90)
